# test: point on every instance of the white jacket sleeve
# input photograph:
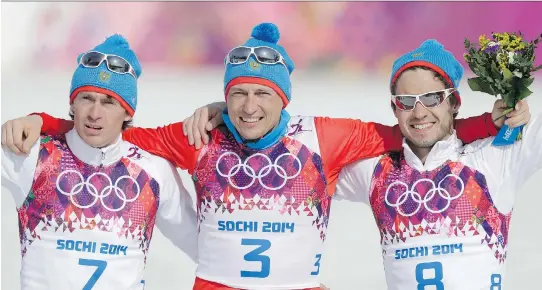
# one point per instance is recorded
(511, 166)
(176, 217)
(18, 172)
(526, 157)
(354, 182)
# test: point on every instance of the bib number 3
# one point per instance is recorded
(265, 262)
(256, 256)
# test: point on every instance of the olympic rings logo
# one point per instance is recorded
(416, 197)
(263, 172)
(93, 191)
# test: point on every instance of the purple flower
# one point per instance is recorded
(492, 47)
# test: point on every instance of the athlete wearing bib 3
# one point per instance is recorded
(264, 182)
(443, 209)
(88, 201)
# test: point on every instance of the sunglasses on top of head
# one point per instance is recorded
(263, 54)
(114, 63)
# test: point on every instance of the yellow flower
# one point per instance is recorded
(502, 59)
(511, 42)
(483, 40)
(502, 36)
(503, 39)
(514, 44)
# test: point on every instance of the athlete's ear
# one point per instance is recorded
(127, 117)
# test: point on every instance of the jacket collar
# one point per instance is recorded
(94, 156)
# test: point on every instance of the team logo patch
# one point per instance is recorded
(254, 65)
(134, 153)
(104, 76)
(297, 129)
(417, 54)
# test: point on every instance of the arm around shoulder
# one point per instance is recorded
(176, 217)
(167, 142)
(355, 181)
(343, 141)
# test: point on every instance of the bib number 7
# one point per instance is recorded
(256, 256)
(100, 268)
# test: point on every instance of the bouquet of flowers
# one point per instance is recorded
(503, 65)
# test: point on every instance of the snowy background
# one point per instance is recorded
(181, 59)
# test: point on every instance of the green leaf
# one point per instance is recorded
(478, 59)
(473, 67)
(499, 85)
(475, 84)
(507, 74)
(495, 72)
(522, 93)
(489, 79)
(525, 82)
(537, 68)
(479, 85)
(467, 43)
(509, 99)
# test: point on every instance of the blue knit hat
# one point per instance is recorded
(275, 76)
(431, 54)
(122, 87)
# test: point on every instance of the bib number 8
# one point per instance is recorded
(425, 269)
(496, 282)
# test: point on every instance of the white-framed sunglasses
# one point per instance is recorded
(263, 54)
(428, 100)
(115, 63)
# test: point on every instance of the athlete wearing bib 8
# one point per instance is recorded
(445, 223)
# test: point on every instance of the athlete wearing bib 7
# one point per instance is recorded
(86, 216)
(86, 200)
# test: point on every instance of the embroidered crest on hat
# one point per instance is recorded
(254, 65)
(104, 76)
